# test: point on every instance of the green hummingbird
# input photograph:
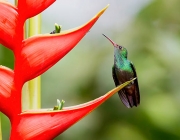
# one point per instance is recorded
(123, 70)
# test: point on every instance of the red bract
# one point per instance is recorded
(8, 23)
(41, 52)
(46, 125)
(30, 8)
(6, 87)
(33, 56)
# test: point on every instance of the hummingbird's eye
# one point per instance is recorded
(120, 47)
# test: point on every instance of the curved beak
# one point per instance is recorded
(114, 44)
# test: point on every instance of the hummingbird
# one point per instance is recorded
(123, 70)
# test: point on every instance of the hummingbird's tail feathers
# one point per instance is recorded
(128, 100)
(136, 96)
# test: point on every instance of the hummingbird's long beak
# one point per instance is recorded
(114, 44)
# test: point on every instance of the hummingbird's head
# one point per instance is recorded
(117, 48)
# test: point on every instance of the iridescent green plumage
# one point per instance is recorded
(123, 70)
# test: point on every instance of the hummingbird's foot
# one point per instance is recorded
(59, 105)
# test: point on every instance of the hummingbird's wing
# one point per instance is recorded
(124, 98)
(136, 96)
(116, 81)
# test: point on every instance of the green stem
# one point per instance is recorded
(15, 2)
(32, 89)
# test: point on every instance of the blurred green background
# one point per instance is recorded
(150, 30)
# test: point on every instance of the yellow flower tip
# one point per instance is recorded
(102, 11)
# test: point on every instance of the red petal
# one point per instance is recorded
(6, 86)
(8, 22)
(30, 8)
(47, 125)
(42, 52)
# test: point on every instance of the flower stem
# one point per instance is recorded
(15, 2)
(32, 89)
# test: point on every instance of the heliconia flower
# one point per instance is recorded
(6, 86)
(30, 8)
(8, 23)
(41, 52)
(34, 56)
(46, 125)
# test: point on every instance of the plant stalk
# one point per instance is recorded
(32, 89)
